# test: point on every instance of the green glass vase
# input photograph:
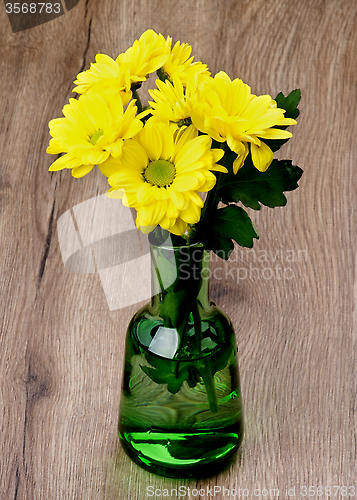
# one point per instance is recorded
(181, 406)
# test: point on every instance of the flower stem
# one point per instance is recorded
(138, 100)
(211, 202)
(212, 199)
(207, 376)
(205, 372)
(198, 329)
(182, 330)
(156, 267)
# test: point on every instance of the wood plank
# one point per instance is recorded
(61, 347)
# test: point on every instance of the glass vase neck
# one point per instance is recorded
(178, 269)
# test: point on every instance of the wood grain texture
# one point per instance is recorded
(292, 300)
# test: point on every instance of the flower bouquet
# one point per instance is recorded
(187, 163)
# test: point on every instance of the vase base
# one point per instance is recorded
(182, 454)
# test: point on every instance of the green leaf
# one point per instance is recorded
(227, 224)
(173, 373)
(252, 187)
(289, 103)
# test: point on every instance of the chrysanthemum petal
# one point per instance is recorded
(287, 121)
(167, 150)
(217, 154)
(115, 148)
(96, 157)
(219, 168)
(153, 213)
(235, 145)
(144, 194)
(115, 193)
(59, 164)
(185, 182)
(151, 141)
(210, 181)
(177, 198)
(134, 156)
(74, 163)
(172, 211)
(167, 223)
(239, 161)
(191, 214)
(192, 151)
(81, 171)
(275, 133)
(109, 167)
(262, 156)
(96, 110)
(184, 135)
(195, 198)
(128, 179)
(179, 227)
(133, 128)
(143, 227)
(257, 107)
(159, 193)
(75, 115)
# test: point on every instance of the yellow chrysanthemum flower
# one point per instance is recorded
(93, 128)
(179, 63)
(145, 56)
(105, 75)
(229, 112)
(160, 173)
(175, 103)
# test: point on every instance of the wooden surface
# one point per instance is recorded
(62, 349)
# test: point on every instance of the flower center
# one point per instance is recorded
(96, 136)
(160, 173)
